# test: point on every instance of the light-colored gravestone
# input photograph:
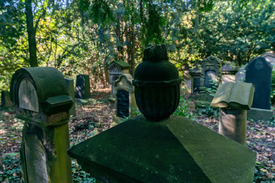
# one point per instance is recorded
(125, 97)
(159, 147)
(269, 57)
(228, 73)
(42, 100)
(82, 87)
(70, 87)
(5, 99)
(187, 80)
(259, 72)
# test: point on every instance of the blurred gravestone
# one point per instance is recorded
(41, 99)
(269, 57)
(5, 99)
(70, 87)
(125, 97)
(228, 73)
(82, 88)
(195, 80)
(258, 72)
(210, 71)
(156, 147)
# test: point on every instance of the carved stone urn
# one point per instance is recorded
(157, 84)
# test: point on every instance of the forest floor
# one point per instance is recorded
(96, 115)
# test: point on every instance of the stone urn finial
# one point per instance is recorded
(157, 84)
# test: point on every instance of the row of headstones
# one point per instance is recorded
(258, 72)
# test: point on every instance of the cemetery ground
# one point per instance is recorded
(95, 115)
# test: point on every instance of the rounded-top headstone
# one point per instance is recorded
(157, 84)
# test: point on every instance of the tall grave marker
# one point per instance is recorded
(70, 87)
(5, 99)
(258, 72)
(42, 100)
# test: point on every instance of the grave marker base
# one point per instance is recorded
(259, 114)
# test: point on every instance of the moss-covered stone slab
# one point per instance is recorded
(173, 150)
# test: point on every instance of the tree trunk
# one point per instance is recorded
(31, 34)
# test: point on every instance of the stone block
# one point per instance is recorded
(259, 114)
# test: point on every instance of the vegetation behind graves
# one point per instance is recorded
(77, 38)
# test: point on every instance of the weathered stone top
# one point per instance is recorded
(227, 68)
(156, 70)
(47, 85)
(173, 150)
(123, 65)
(210, 61)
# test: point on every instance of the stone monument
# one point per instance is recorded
(195, 80)
(82, 88)
(41, 99)
(116, 68)
(124, 97)
(228, 73)
(233, 99)
(156, 147)
(259, 72)
(5, 99)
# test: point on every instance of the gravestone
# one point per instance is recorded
(116, 68)
(228, 73)
(41, 99)
(269, 57)
(70, 87)
(259, 72)
(156, 147)
(210, 70)
(240, 75)
(124, 97)
(5, 99)
(195, 80)
(82, 88)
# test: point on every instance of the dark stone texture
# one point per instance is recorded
(258, 72)
(208, 78)
(173, 150)
(196, 85)
(82, 88)
(122, 103)
(5, 99)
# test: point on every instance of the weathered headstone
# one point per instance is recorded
(210, 71)
(259, 72)
(70, 87)
(195, 80)
(233, 99)
(156, 147)
(124, 97)
(116, 68)
(82, 87)
(240, 75)
(269, 57)
(228, 73)
(5, 99)
(41, 99)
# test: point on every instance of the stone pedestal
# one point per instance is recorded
(232, 124)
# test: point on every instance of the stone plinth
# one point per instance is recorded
(232, 124)
(259, 114)
(173, 150)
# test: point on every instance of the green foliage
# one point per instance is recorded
(272, 93)
(11, 168)
(80, 176)
(260, 174)
(182, 109)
